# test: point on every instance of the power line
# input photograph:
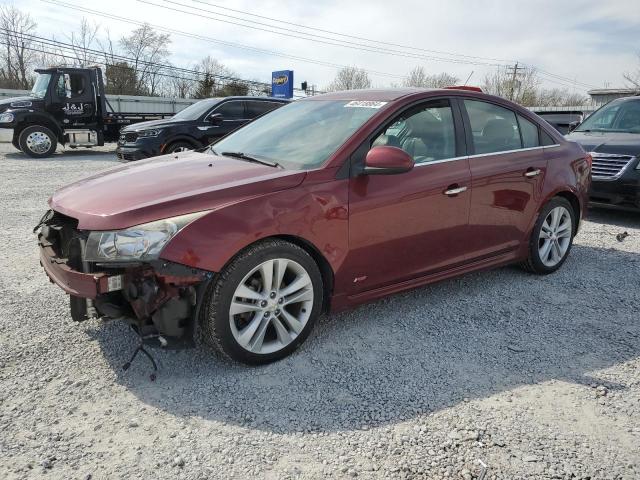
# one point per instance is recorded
(347, 35)
(319, 39)
(69, 51)
(213, 40)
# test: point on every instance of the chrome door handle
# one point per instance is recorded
(455, 191)
(532, 173)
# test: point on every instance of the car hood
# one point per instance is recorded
(166, 122)
(5, 103)
(167, 186)
(607, 142)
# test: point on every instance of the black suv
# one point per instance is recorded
(194, 127)
(612, 136)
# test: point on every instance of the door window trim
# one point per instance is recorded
(357, 156)
(244, 111)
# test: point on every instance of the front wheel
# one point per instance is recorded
(178, 147)
(552, 237)
(264, 304)
(37, 141)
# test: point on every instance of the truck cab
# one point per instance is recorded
(66, 105)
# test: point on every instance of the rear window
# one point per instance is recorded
(256, 108)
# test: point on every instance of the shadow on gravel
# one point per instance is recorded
(69, 154)
(618, 218)
(413, 353)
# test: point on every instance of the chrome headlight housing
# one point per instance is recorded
(140, 243)
(154, 132)
(6, 117)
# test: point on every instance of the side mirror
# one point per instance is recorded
(215, 118)
(573, 125)
(386, 160)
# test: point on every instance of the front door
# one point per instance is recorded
(73, 100)
(508, 167)
(228, 116)
(408, 225)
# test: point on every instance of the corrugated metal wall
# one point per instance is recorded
(128, 103)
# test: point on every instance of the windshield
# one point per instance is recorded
(617, 116)
(195, 111)
(39, 89)
(301, 135)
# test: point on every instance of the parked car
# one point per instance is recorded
(66, 105)
(320, 205)
(612, 136)
(196, 126)
(562, 120)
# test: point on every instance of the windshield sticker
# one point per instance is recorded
(365, 104)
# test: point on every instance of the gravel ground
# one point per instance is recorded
(534, 377)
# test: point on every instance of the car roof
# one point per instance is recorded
(379, 94)
(248, 97)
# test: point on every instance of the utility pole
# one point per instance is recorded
(514, 75)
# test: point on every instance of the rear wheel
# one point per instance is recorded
(552, 237)
(37, 141)
(264, 304)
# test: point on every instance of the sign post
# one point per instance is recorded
(282, 84)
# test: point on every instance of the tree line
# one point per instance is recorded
(134, 64)
(138, 64)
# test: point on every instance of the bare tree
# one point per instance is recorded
(633, 78)
(521, 87)
(350, 78)
(147, 48)
(211, 81)
(18, 56)
(418, 78)
(83, 42)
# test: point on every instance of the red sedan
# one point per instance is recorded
(320, 205)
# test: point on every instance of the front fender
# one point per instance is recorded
(26, 117)
(314, 212)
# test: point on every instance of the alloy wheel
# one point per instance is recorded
(555, 236)
(271, 306)
(38, 142)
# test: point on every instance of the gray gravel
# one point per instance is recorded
(534, 377)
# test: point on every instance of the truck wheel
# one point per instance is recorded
(179, 147)
(37, 141)
(263, 305)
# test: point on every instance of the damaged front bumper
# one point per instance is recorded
(158, 298)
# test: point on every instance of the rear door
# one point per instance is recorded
(256, 108)
(234, 115)
(508, 168)
(407, 225)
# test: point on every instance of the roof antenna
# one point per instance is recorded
(468, 78)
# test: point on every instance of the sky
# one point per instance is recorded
(587, 43)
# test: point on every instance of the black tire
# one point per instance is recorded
(534, 262)
(15, 143)
(177, 147)
(30, 148)
(215, 319)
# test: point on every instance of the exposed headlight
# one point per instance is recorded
(6, 117)
(149, 133)
(140, 243)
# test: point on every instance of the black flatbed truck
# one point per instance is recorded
(66, 106)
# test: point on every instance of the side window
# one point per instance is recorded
(427, 132)
(233, 110)
(547, 139)
(529, 132)
(257, 108)
(71, 85)
(494, 128)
